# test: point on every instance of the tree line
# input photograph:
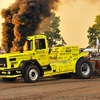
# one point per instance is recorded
(94, 31)
(52, 32)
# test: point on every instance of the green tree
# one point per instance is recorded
(52, 32)
(94, 31)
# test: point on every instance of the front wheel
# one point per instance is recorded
(31, 74)
(84, 68)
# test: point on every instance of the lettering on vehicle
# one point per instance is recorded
(75, 54)
(42, 56)
(55, 51)
(39, 52)
(60, 57)
(74, 50)
(18, 71)
(56, 48)
(53, 57)
(68, 53)
(68, 50)
(62, 53)
(12, 63)
(53, 65)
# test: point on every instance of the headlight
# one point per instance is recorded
(9, 72)
(4, 65)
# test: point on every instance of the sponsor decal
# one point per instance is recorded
(40, 52)
(4, 72)
(62, 53)
(12, 63)
(18, 71)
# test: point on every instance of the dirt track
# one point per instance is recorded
(51, 89)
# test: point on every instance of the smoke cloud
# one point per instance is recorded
(22, 19)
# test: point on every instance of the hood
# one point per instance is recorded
(11, 55)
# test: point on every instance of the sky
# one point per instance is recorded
(76, 16)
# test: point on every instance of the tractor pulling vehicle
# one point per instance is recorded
(35, 61)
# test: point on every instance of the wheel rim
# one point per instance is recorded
(85, 69)
(33, 74)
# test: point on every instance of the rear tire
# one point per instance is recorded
(9, 79)
(84, 68)
(31, 74)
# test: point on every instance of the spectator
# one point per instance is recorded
(81, 50)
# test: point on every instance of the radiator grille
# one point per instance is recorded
(3, 62)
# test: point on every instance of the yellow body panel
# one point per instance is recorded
(60, 67)
(10, 76)
(61, 59)
(63, 53)
(64, 59)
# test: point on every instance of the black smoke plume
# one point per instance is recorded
(22, 19)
